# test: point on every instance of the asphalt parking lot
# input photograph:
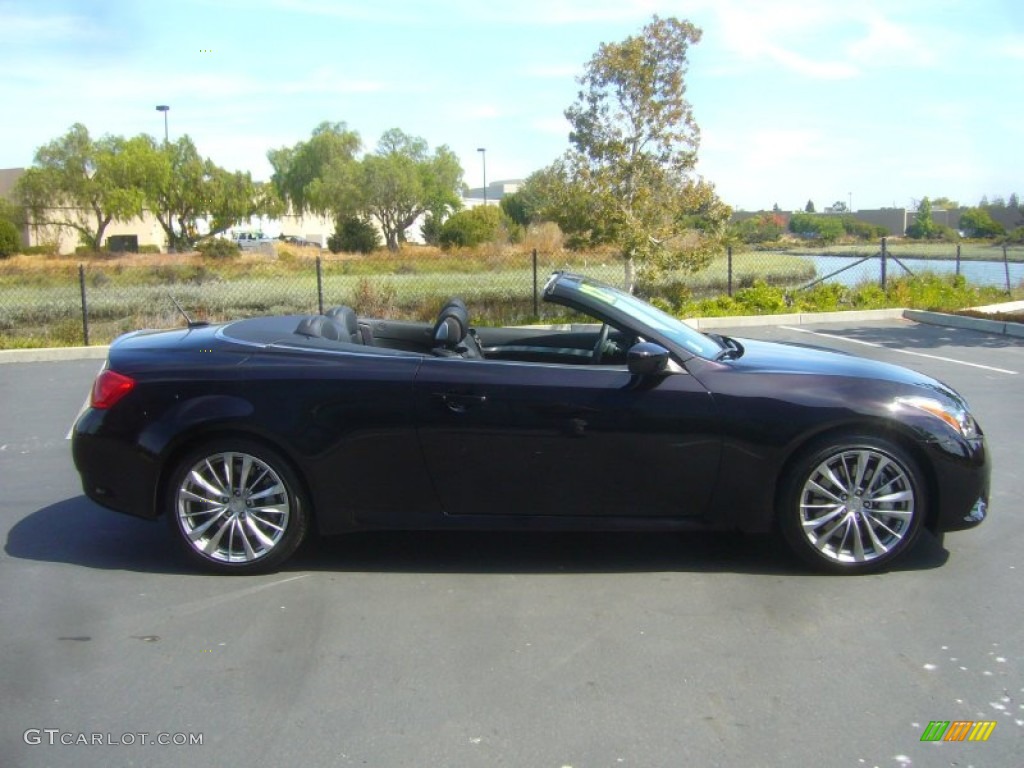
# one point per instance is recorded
(487, 650)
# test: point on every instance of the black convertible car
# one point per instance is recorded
(247, 435)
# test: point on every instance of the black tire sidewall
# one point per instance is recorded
(298, 520)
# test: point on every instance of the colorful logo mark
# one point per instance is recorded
(958, 730)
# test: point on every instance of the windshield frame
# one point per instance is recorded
(605, 300)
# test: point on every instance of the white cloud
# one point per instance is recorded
(888, 43)
(818, 40)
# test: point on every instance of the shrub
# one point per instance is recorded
(765, 228)
(828, 229)
(218, 248)
(354, 235)
(472, 227)
(149, 249)
(546, 237)
(862, 229)
(977, 222)
(762, 298)
(43, 249)
(430, 230)
(1016, 236)
(10, 238)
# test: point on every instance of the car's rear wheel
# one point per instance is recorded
(852, 505)
(237, 507)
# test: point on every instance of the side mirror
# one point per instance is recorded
(647, 358)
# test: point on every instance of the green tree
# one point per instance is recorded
(809, 208)
(977, 222)
(924, 226)
(625, 179)
(182, 188)
(403, 181)
(299, 171)
(516, 208)
(10, 238)
(82, 184)
(354, 235)
(13, 212)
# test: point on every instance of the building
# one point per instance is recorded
(495, 191)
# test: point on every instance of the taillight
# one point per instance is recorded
(109, 388)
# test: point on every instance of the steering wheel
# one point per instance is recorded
(602, 339)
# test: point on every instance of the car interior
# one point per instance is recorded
(452, 335)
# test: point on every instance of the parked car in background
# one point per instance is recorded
(253, 241)
(301, 242)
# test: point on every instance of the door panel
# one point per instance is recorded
(506, 438)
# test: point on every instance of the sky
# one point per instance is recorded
(874, 103)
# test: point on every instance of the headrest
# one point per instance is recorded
(321, 327)
(452, 325)
(347, 317)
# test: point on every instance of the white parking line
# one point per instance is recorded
(901, 351)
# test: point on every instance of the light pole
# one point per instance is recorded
(483, 154)
(165, 108)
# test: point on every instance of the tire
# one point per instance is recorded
(853, 504)
(236, 507)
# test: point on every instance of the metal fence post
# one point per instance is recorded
(319, 285)
(729, 253)
(885, 256)
(1006, 268)
(85, 305)
(536, 310)
(958, 259)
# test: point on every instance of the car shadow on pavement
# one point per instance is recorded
(575, 552)
(78, 532)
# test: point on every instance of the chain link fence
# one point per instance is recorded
(56, 302)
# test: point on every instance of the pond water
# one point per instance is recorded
(977, 272)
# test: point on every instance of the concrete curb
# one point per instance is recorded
(797, 318)
(52, 354)
(997, 327)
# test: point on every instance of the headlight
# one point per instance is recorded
(958, 418)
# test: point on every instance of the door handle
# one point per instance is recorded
(460, 403)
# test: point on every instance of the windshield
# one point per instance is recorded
(654, 318)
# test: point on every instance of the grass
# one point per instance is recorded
(40, 297)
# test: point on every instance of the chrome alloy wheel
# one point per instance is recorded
(232, 507)
(857, 505)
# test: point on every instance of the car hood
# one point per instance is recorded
(784, 358)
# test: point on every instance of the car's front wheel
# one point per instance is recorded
(852, 505)
(237, 507)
